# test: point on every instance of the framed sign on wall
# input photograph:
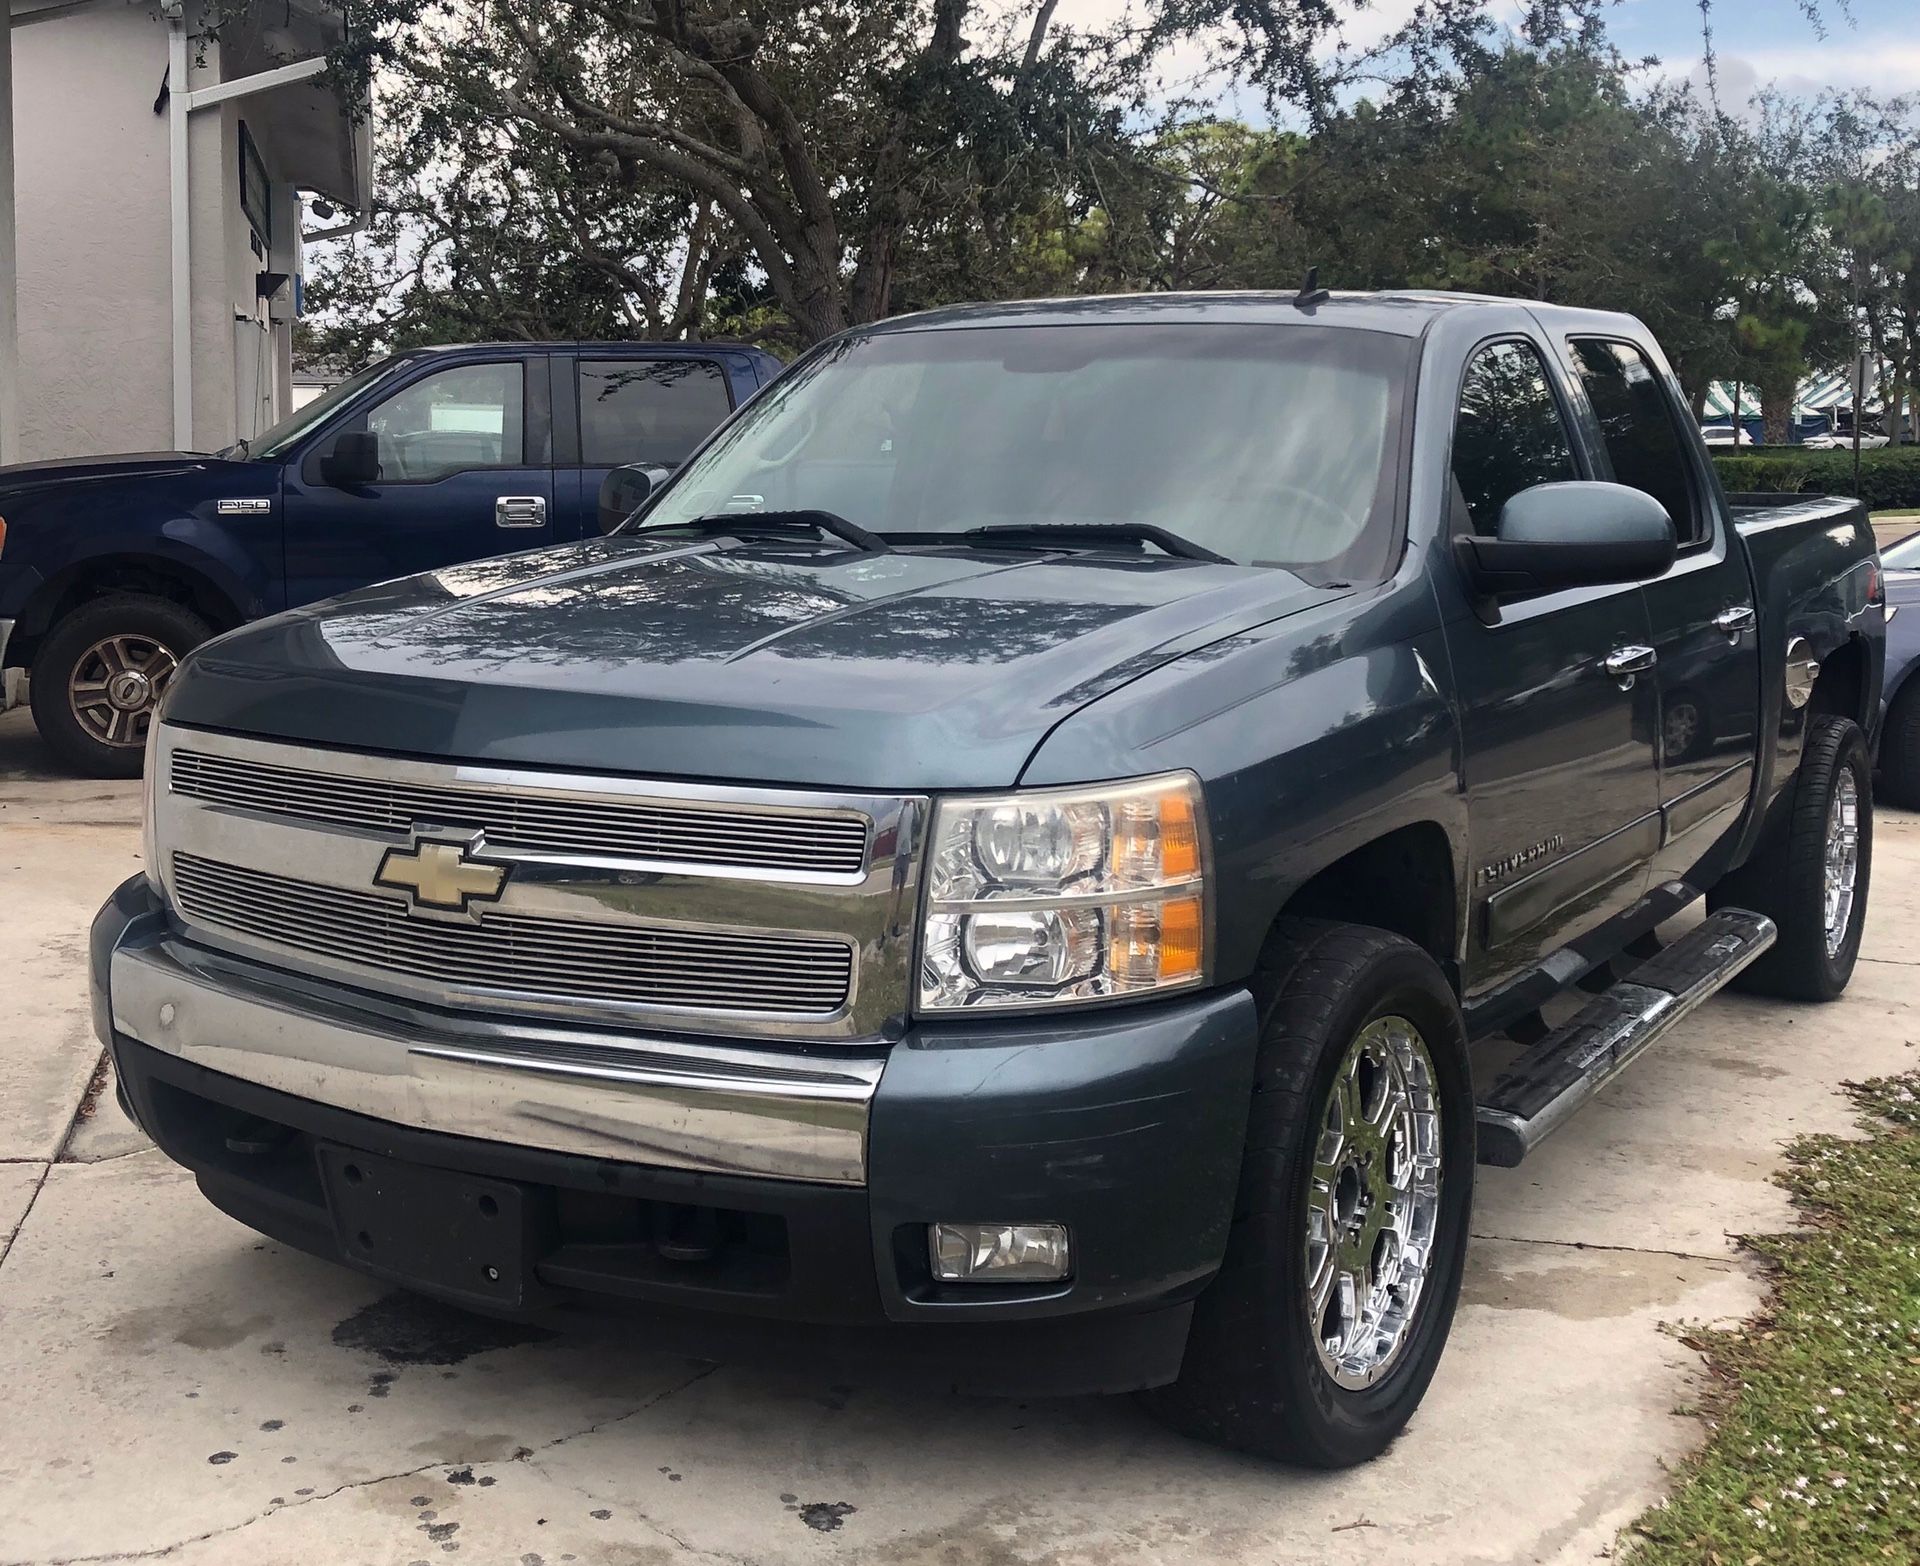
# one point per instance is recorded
(256, 195)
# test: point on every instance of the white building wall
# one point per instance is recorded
(9, 346)
(91, 197)
(96, 339)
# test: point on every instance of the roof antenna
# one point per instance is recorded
(1311, 293)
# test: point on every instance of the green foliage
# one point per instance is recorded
(1815, 1456)
(1889, 476)
(558, 168)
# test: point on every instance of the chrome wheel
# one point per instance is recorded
(1373, 1210)
(115, 687)
(1843, 858)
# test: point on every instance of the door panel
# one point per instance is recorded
(463, 475)
(1559, 750)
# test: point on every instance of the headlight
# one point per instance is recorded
(149, 800)
(1051, 896)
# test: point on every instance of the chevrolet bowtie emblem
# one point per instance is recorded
(442, 875)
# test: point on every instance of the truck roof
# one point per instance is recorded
(1403, 313)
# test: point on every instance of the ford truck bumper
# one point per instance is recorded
(760, 1208)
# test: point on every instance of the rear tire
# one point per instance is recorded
(1259, 1375)
(99, 675)
(1900, 750)
(1821, 919)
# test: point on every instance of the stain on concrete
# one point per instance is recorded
(408, 1329)
(221, 1334)
(218, 1458)
(440, 1532)
(1582, 1291)
(826, 1516)
(1741, 1066)
(273, 1424)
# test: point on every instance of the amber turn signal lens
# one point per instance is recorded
(1179, 838)
(1180, 934)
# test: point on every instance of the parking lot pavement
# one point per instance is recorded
(177, 1387)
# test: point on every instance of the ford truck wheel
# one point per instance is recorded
(1317, 1340)
(99, 676)
(1811, 877)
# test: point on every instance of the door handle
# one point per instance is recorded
(520, 511)
(1735, 621)
(1624, 663)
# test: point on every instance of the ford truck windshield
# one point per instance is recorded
(1269, 445)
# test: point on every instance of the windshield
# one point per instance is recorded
(1903, 556)
(276, 441)
(1271, 445)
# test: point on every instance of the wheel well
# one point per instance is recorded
(1401, 882)
(98, 577)
(1841, 687)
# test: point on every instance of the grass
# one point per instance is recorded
(1814, 1454)
(1894, 516)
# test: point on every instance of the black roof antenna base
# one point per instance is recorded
(1311, 293)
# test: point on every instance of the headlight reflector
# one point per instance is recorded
(1061, 895)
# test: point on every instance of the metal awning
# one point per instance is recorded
(307, 135)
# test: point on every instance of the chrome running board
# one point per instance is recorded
(1539, 1091)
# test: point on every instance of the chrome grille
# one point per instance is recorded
(772, 840)
(525, 954)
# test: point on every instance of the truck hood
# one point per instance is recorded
(18, 476)
(750, 660)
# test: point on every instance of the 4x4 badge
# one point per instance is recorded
(442, 875)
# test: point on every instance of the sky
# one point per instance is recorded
(1867, 43)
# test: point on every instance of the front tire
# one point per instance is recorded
(99, 676)
(1359, 1159)
(1812, 882)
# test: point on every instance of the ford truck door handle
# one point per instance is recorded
(1735, 621)
(520, 511)
(1623, 663)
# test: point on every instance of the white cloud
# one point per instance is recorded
(1883, 63)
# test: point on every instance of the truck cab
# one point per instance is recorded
(113, 568)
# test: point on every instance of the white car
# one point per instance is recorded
(1837, 440)
(1724, 435)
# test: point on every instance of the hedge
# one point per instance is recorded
(1889, 477)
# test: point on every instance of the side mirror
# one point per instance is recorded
(1575, 534)
(625, 490)
(354, 460)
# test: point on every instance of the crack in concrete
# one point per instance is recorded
(161, 1551)
(1595, 1245)
(1895, 962)
(6, 1249)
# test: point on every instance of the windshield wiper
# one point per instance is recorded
(827, 522)
(1096, 533)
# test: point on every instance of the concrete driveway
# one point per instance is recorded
(177, 1388)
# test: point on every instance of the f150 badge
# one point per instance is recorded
(1500, 869)
(443, 875)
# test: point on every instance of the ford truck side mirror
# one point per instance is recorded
(354, 460)
(625, 490)
(1574, 534)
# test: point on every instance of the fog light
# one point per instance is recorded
(998, 1252)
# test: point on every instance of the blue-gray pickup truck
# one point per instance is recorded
(1001, 863)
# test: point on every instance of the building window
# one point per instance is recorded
(256, 195)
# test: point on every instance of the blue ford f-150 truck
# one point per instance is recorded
(113, 568)
(1003, 860)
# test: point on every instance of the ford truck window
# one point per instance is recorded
(1269, 445)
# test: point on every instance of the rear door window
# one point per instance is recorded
(1508, 434)
(1639, 429)
(652, 411)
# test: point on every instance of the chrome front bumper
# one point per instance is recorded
(634, 1099)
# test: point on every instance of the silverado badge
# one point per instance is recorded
(445, 875)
